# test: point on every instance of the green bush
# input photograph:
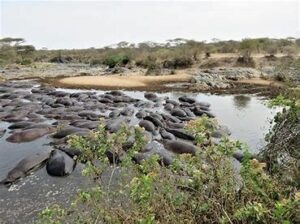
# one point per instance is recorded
(204, 188)
(112, 61)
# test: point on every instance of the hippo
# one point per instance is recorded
(122, 99)
(15, 117)
(220, 132)
(127, 111)
(187, 99)
(115, 93)
(148, 125)
(154, 120)
(179, 147)
(72, 152)
(41, 125)
(21, 125)
(169, 107)
(25, 165)
(173, 125)
(114, 125)
(151, 96)
(199, 112)
(239, 156)
(114, 114)
(175, 103)
(180, 133)
(69, 130)
(141, 114)
(66, 101)
(105, 100)
(85, 124)
(154, 148)
(2, 132)
(178, 112)
(171, 118)
(59, 93)
(112, 157)
(188, 112)
(166, 135)
(60, 164)
(90, 115)
(29, 135)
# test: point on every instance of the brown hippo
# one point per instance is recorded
(29, 134)
(26, 165)
(180, 147)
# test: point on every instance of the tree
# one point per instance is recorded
(247, 47)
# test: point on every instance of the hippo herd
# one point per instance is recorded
(34, 111)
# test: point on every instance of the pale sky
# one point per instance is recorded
(84, 24)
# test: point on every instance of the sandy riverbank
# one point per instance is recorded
(127, 81)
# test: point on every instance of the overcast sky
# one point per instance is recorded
(84, 24)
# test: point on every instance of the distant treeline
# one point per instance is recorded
(176, 53)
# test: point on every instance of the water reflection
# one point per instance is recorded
(241, 101)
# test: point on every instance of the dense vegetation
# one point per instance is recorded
(205, 188)
(177, 53)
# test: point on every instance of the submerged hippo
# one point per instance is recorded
(2, 132)
(60, 164)
(114, 125)
(25, 166)
(29, 134)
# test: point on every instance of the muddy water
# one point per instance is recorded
(247, 117)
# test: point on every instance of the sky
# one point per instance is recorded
(84, 24)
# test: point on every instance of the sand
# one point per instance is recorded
(260, 81)
(125, 81)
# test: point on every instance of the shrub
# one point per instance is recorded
(112, 61)
(204, 188)
(178, 62)
(26, 61)
(95, 62)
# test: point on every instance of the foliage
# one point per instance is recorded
(204, 188)
(282, 152)
(112, 61)
(288, 70)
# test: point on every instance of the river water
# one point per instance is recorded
(247, 117)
